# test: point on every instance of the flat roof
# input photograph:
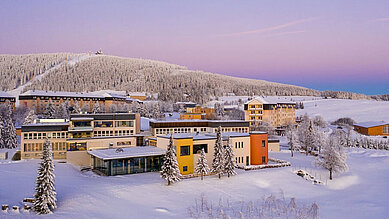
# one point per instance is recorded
(198, 123)
(258, 132)
(371, 124)
(60, 94)
(105, 116)
(205, 136)
(81, 119)
(271, 100)
(42, 127)
(127, 152)
(4, 94)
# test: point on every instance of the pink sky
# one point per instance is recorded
(341, 45)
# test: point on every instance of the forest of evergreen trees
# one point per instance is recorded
(171, 82)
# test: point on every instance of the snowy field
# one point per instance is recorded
(358, 110)
(330, 109)
(359, 193)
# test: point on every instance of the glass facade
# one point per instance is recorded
(128, 166)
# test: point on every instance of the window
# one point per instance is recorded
(197, 148)
(184, 150)
(386, 129)
(185, 168)
(124, 143)
(263, 159)
(263, 143)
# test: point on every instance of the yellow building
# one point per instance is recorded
(188, 147)
(34, 135)
(278, 114)
(186, 116)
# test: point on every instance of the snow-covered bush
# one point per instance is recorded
(267, 207)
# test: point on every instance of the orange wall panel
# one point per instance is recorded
(256, 149)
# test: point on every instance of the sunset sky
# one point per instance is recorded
(331, 44)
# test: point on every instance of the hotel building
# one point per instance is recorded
(38, 99)
(278, 114)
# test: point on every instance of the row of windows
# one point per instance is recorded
(239, 144)
(179, 130)
(241, 130)
(56, 146)
(193, 130)
(255, 117)
(104, 124)
(122, 143)
(255, 112)
(43, 135)
(111, 133)
(255, 106)
(241, 160)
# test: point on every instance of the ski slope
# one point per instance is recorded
(16, 92)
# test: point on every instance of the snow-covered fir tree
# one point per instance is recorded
(63, 111)
(30, 118)
(76, 108)
(170, 170)
(50, 110)
(96, 107)
(9, 132)
(310, 141)
(202, 167)
(291, 135)
(229, 160)
(332, 157)
(218, 154)
(45, 194)
(85, 108)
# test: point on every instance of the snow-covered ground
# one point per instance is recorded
(358, 110)
(359, 193)
(330, 109)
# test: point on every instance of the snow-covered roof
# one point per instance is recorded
(271, 100)
(136, 94)
(47, 124)
(126, 152)
(371, 124)
(258, 132)
(81, 119)
(60, 94)
(5, 94)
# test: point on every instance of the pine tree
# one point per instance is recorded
(50, 110)
(229, 161)
(218, 155)
(76, 108)
(170, 170)
(202, 167)
(45, 194)
(9, 132)
(30, 117)
(332, 158)
(96, 107)
(63, 111)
